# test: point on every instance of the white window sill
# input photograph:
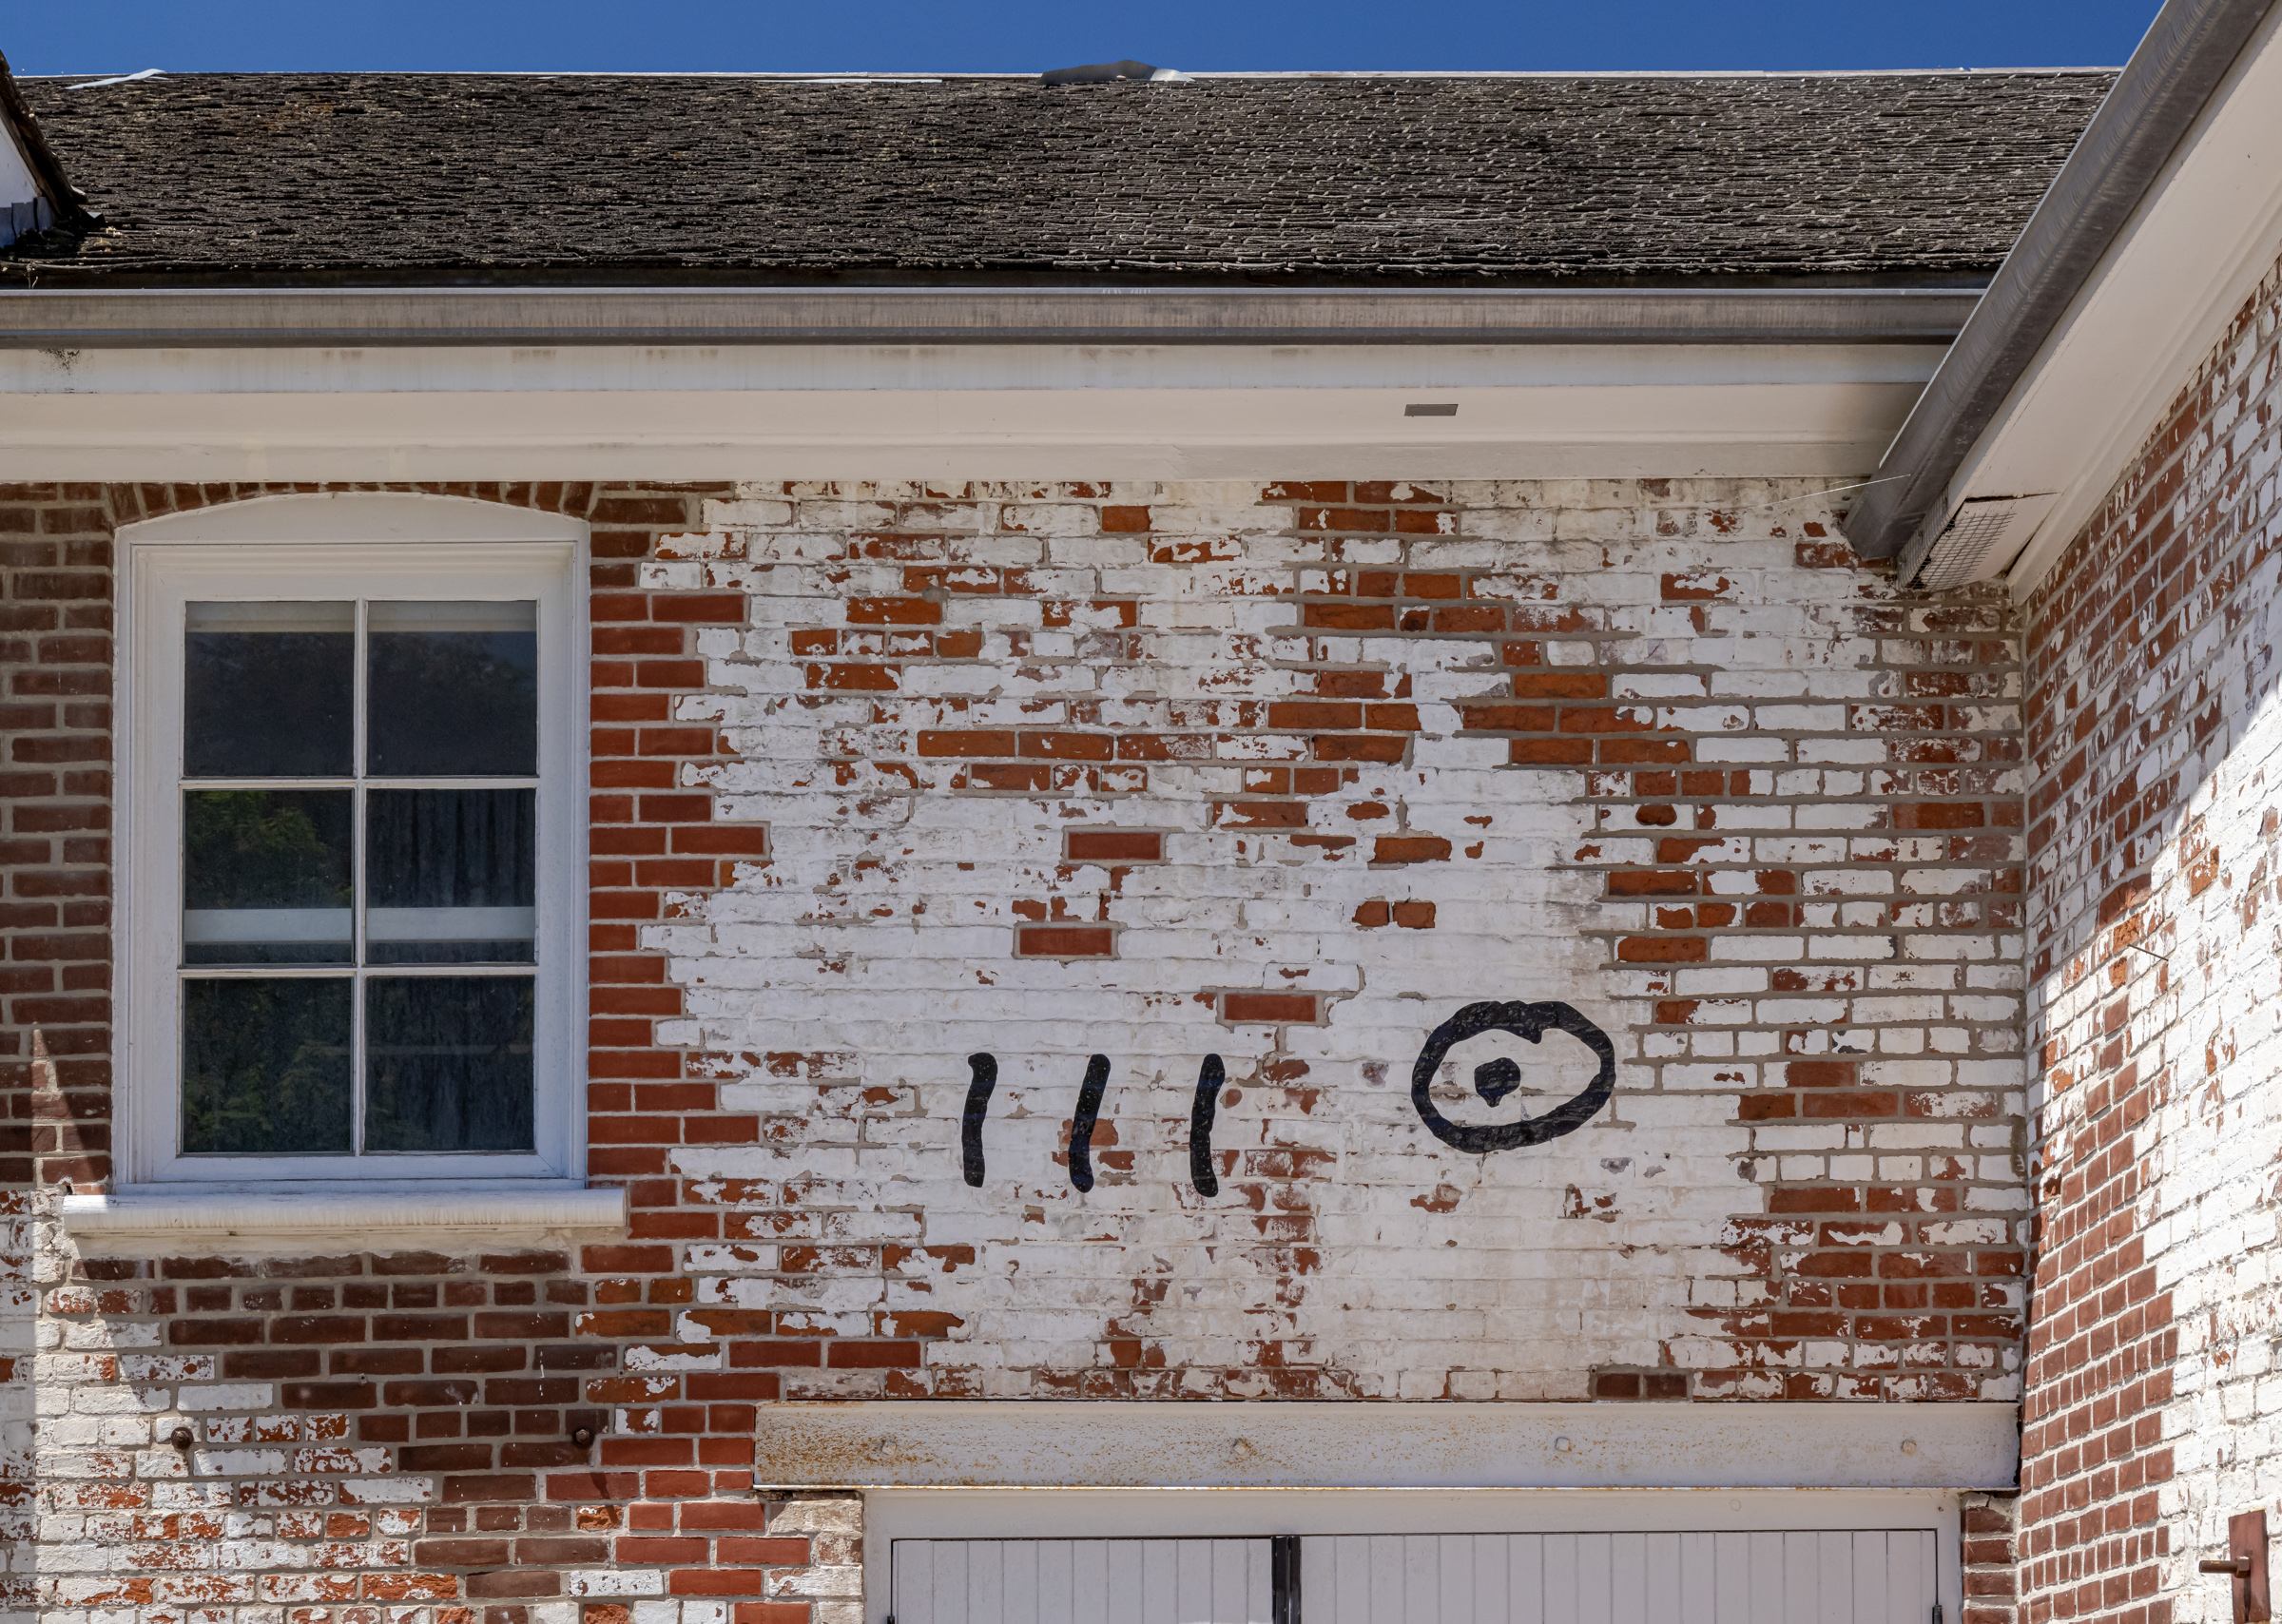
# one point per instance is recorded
(239, 1222)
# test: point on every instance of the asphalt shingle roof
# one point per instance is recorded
(443, 177)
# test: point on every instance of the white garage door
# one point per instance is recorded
(1083, 1581)
(1878, 1576)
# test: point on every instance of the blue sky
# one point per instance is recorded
(112, 36)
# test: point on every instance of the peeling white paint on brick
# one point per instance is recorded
(1804, 1185)
(2154, 811)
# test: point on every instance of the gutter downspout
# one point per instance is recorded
(2185, 54)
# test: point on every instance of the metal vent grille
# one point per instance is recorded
(1983, 536)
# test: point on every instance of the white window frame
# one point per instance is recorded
(321, 548)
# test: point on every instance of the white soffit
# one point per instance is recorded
(2208, 232)
(956, 411)
(1045, 1443)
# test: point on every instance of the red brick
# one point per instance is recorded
(1276, 1009)
(1065, 942)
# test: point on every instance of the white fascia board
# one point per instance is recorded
(1053, 1443)
(966, 412)
(2163, 295)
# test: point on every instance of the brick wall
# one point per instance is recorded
(1988, 1558)
(55, 630)
(394, 1431)
(888, 778)
(2154, 804)
(55, 658)
(1661, 751)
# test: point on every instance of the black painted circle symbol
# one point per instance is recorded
(1494, 1080)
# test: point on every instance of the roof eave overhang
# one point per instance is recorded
(2191, 95)
(2149, 319)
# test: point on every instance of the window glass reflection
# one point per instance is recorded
(268, 690)
(452, 690)
(448, 1063)
(266, 1067)
(451, 876)
(386, 1060)
(266, 875)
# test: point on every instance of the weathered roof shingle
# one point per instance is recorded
(442, 176)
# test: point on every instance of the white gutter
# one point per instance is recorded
(367, 318)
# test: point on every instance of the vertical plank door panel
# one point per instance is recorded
(1699, 1579)
(1628, 1579)
(1735, 1575)
(1019, 1581)
(1526, 1580)
(1122, 1600)
(1867, 1603)
(1454, 1577)
(1420, 1595)
(986, 1589)
(1595, 1590)
(1160, 1580)
(1560, 1579)
(1353, 1579)
(911, 1581)
(1834, 1578)
(1660, 1577)
(1089, 1580)
(1058, 1580)
(950, 1590)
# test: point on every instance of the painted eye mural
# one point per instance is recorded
(1494, 1080)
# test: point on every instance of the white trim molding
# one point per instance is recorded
(1055, 1443)
(326, 548)
(956, 412)
(238, 1222)
(357, 518)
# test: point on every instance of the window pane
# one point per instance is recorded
(454, 691)
(265, 1067)
(448, 1063)
(266, 875)
(268, 690)
(448, 875)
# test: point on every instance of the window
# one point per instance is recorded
(351, 772)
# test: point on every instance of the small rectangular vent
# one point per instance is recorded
(1983, 536)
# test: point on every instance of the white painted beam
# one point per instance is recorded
(1358, 1445)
